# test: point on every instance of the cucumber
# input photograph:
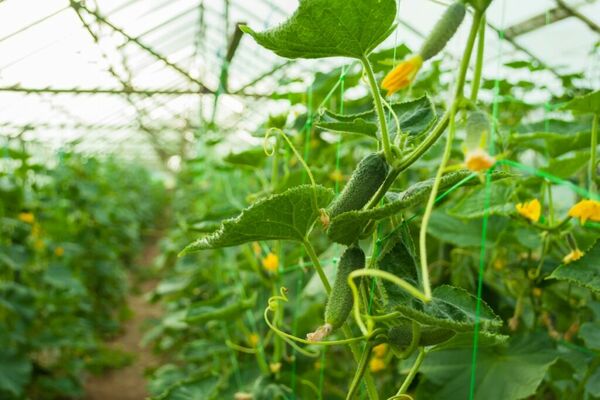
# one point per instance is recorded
(340, 299)
(363, 184)
(478, 129)
(401, 335)
(443, 30)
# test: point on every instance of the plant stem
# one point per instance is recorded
(412, 373)
(317, 264)
(478, 60)
(446, 156)
(371, 388)
(385, 137)
(360, 371)
(593, 159)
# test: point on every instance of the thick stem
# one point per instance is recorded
(478, 61)
(385, 137)
(412, 373)
(360, 371)
(446, 156)
(593, 158)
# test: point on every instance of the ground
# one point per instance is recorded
(128, 383)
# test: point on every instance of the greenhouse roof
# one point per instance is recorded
(118, 74)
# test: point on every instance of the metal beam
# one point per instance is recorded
(538, 21)
(80, 91)
(78, 5)
(572, 11)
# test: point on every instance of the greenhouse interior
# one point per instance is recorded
(310, 199)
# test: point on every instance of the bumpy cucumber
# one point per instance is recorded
(443, 30)
(340, 299)
(401, 335)
(363, 184)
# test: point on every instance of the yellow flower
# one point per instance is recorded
(275, 367)
(253, 339)
(336, 175)
(59, 251)
(26, 217)
(573, 256)
(530, 209)
(256, 248)
(479, 160)
(402, 75)
(376, 364)
(271, 262)
(586, 209)
(380, 350)
(39, 244)
(537, 292)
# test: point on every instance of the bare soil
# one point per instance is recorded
(128, 383)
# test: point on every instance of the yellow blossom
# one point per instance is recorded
(478, 160)
(253, 339)
(380, 350)
(271, 262)
(336, 175)
(39, 244)
(402, 75)
(317, 365)
(537, 292)
(256, 248)
(530, 209)
(573, 256)
(499, 264)
(586, 209)
(59, 251)
(376, 364)
(26, 217)
(275, 367)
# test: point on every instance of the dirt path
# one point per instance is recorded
(128, 383)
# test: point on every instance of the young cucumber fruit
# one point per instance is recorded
(363, 184)
(443, 30)
(401, 335)
(340, 299)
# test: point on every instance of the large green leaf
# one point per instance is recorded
(586, 104)
(509, 372)
(415, 117)
(345, 227)
(590, 333)
(584, 272)
(465, 232)
(330, 28)
(452, 308)
(15, 373)
(566, 167)
(285, 216)
(475, 204)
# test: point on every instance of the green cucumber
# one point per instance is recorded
(401, 335)
(443, 30)
(363, 184)
(340, 299)
(478, 129)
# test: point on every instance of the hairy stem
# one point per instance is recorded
(478, 61)
(412, 373)
(360, 371)
(593, 158)
(385, 137)
(446, 156)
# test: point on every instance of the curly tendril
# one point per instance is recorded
(273, 304)
(269, 151)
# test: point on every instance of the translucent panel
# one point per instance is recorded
(139, 51)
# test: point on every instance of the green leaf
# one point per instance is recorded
(584, 272)
(330, 28)
(383, 60)
(452, 308)
(567, 166)
(587, 104)
(509, 372)
(464, 233)
(590, 333)
(15, 372)
(345, 227)
(474, 204)
(415, 117)
(253, 158)
(285, 216)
